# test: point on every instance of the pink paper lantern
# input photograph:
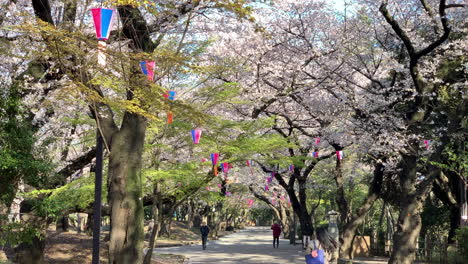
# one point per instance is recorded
(102, 18)
(196, 134)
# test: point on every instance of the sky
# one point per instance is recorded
(339, 4)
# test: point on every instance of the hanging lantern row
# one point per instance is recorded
(103, 17)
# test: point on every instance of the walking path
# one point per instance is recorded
(250, 246)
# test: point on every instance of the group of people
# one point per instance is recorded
(319, 250)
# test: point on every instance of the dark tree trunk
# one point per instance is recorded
(300, 208)
(64, 223)
(340, 194)
(411, 205)
(125, 197)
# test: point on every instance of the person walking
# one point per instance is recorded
(276, 234)
(204, 230)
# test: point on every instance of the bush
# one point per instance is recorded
(462, 240)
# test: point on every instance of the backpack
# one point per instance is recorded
(317, 256)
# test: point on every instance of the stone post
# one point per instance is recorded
(333, 230)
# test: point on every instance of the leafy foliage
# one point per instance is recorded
(75, 196)
(19, 160)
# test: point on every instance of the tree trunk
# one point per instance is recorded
(190, 214)
(64, 223)
(125, 191)
(406, 235)
(304, 216)
(340, 194)
(300, 209)
(411, 205)
(157, 217)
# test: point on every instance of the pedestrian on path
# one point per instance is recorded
(204, 230)
(321, 249)
(276, 234)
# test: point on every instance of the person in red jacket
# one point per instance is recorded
(276, 234)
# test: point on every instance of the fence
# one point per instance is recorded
(428, 251)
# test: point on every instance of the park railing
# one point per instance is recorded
(428, 251)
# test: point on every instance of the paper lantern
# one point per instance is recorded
(214, 161)
(147, 67)
(102, 18)
(269, 179)
(339, 155)
(317, 141)
(225, 167)
(214, 158)
(427, 143)
(196, 134)
(170, 95)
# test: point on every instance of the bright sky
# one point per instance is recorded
(339, 4)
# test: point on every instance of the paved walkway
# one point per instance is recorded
(250, 246)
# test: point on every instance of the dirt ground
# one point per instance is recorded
(74, 248)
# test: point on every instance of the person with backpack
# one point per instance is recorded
(204, 230)
(321, 249)
(276, 234)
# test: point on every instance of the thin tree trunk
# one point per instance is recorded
(157, 218)
(125, 197)
(300, 209)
